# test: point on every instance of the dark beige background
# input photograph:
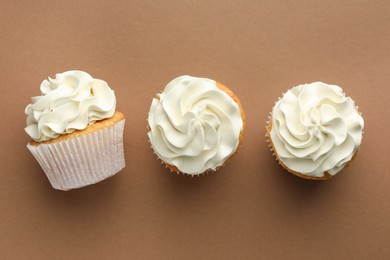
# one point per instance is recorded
(251, 209)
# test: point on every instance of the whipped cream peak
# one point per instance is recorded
(316, 129)
(194, 125)
(71, 101)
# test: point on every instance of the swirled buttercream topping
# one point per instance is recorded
(71, 101)
(316, 129)
(194, 125)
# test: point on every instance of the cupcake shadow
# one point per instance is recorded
(94, 198)
(184, 194)
(187, 187)
(76, 214)
(293, 183)
(299, 192)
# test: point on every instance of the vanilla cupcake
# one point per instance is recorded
(77, 137)
(315, 130)
(195, 125)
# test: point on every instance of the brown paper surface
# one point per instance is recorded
(250, 209)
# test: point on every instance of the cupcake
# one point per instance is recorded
(315, 130)
(77, 136)
(195, 125)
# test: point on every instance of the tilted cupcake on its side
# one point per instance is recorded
(77, 135)
(195, 125)
(315, 130)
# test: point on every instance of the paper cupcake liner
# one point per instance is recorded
(84, 160)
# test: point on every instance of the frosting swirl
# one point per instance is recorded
(194, 125)
(316, 129)
(71, 101)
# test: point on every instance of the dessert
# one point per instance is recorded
(315, 130)
(195, 125)
(77, 136)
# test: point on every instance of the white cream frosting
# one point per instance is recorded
(194, 125)
(316, 129)
(73, 100)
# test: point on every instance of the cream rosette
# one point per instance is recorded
(71, 101)
(316, 129)
(194, 125)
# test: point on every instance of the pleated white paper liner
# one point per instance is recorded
(84, 160)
